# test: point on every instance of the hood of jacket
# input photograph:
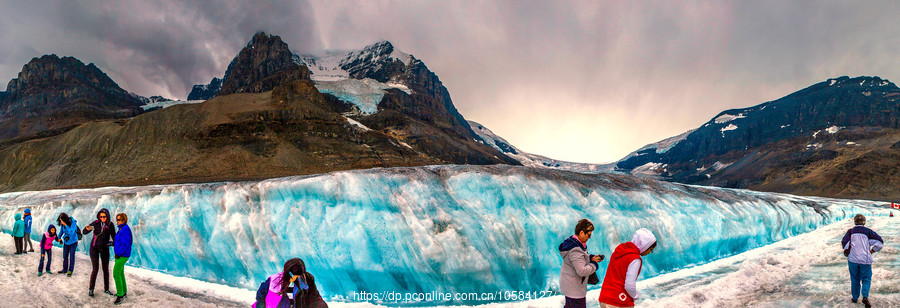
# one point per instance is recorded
(643, 239)
(570, 243)
(18, 216)
(104, 211)
(51, 227)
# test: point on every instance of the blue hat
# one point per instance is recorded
(27, 211)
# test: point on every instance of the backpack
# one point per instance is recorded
(847, 251)
(80, 236)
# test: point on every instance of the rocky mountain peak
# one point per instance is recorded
(53, 71)
(264, 63)
(52, 94)
(206, 91)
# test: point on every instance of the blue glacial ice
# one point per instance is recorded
(424, 229)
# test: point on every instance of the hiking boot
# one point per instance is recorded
(110, 293)
(118, 300)
(49, 272)
(31, 250)
(61, 272)
(69, 274)
(39, 274)
(853, 300)
(866, 302)
(91, 293)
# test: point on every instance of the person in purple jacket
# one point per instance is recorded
(859, 244)
(122, 250)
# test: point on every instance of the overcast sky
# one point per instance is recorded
(581, 81)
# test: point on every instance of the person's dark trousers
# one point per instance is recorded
(101, 256)
(575, 303)
(18, 240)
(49, 255)
(27, 243)
(69, 257)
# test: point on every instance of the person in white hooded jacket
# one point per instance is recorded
(859, 244)
(619, 287)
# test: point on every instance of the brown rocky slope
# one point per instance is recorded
(291, 130)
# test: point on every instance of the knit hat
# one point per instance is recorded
(643, 239)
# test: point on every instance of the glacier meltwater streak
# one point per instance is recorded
(441, 228)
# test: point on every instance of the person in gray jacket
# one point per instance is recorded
(577, 265)
(859, 244)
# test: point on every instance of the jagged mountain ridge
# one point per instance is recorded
(808, 142)
(53, 94)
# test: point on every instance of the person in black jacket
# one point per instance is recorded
(104, 232)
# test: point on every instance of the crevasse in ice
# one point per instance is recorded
(424, 229)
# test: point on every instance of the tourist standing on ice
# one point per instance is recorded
(46, 247)
(293, 287)
(27, 242)
(859, 244)
(619, 287)
(68, 237)
(18, 232)
(577, 265)
(122, 250)
(104, 231)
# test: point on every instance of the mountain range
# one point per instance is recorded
(268, 119)
(278, 112)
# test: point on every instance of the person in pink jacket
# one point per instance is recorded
(46, 248)
(294, 287)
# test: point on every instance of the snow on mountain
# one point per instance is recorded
(533, 160)
(336, 73)
(365, 93)
(728, 117)
(661, 146)
(168, 103)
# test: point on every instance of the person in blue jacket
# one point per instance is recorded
(68, 237)
(27, 239)
(18, 232)
(122, 250)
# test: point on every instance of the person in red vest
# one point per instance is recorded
(619, 287)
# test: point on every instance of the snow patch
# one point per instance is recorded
(719, 166)
(831, 82)
(661, 146)
(728, 117)
(727, 128)
(783, 126)
(833, 129)
(166, 104)
(650, 168)
(357, 124)
(364, 93)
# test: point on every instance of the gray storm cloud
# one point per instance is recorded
(150, 47)
(583, 81)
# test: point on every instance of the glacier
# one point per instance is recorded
(423, 229)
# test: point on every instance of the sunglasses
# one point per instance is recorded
(117, 219)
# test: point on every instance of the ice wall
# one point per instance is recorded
(441, 228)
